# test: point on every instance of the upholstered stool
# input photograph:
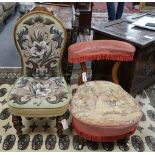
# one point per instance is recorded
(103, 111)
(101, 50)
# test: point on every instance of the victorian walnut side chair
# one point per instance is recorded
(41, 91)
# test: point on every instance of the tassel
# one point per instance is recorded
(99, 56)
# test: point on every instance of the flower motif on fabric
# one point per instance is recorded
(38, 91)
(39, 48)
(41, 89)
(41, 43)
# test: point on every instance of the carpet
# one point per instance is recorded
(40, 133)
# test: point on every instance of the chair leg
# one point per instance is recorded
(126, 140)
(78, 142)
(123, 144)
(115, 71)
(59, 125)
(17, 123)
(84, 69)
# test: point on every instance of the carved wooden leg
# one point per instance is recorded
(66, 115)
(78, 142)
(126, 140)
(84, 69)
(115, 71)
(59, 125)
(17, 123)
(123, 144)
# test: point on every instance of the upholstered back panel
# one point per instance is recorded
(40, 38)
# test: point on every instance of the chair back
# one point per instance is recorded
(40, 39)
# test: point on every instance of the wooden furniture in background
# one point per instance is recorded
(139, 74)
(85, 10)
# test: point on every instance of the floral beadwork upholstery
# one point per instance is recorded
(103, 109)
(40, 40)
(30, 92)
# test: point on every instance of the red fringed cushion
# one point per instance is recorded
(102, 134)
(100, 50)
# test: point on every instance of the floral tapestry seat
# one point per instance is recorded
(102, 111)
(105, 113)
(41, 94)
(41, 91)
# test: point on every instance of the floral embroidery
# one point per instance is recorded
(40, 88)
(39, 48)
(38, 91)
(106, 103)
(41, 41)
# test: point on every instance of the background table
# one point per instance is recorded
(140, 73)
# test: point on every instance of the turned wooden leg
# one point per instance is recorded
(17, 123)
(126, 140)
(123, 144)
(59, 125)
(78, 142)
(115, 71)
(84, 69)
(80, 82)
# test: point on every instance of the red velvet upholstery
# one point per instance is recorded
(100, 50)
